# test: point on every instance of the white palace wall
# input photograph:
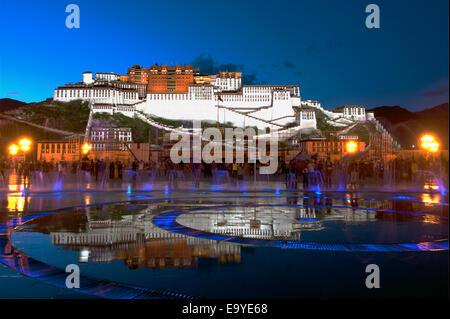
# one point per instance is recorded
(249, 105)
(187, 107)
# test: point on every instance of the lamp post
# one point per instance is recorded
(429, 143)
(23, 145)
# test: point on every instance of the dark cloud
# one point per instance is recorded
(311, 48)
(334, 44)
(14, 93)
(207, 65)
(230, 67)
(435, 92)
(327, 46)
(252, 79)
(289, 65)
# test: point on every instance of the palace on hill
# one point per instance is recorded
(181, 92)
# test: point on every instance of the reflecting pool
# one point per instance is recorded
(238, 245)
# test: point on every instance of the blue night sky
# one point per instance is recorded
(323, 46)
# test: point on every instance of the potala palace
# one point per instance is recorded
(182, 93)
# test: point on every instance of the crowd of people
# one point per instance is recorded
(300, 172)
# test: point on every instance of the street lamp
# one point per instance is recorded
(351, 146)
(25, 144)
(428, 142)
(13, 148)
(86, 148)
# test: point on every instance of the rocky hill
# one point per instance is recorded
(71, 116)
(407, 127)
(10, 104)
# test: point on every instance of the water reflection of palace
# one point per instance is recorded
(136, 240)
(159, 252)
(250, 222)
(269, 222)
(139, 243)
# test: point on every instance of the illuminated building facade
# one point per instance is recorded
(106, 76)
(353, 112)
(54, 151)
(163, 78)
(104, 89)
(137, 74)
(323, 148)
(224, 81)
(60, 150)
(307, 118)
(110, 138)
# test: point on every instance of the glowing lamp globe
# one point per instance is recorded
(351, 146)
(86, 148)
(429, 143)
(25, 144)
(13, 149)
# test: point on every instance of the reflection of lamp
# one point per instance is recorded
(428, 142)
(84, 256)
(351, 146)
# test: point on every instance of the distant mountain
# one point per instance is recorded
(10, 104)
(394, 114)
(437, 111)
(407, 126)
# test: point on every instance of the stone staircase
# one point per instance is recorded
(328, 113)
(89, 123)
(253, 117)
(380, 128)
(140, 115)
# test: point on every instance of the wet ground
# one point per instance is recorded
(189, 244)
